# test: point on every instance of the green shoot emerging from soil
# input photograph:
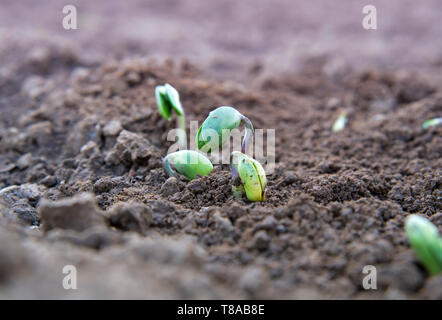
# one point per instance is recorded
(341, 122)
(168, 99)
(189, 163)
(432, 123)
(426, 242)
(248, 176)
(223, 118)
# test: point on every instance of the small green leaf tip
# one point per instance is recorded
(189, 163)
(252, 176)
(432, 123)
(426, 242)
(167, 98)
(222, 118)
(340, 123)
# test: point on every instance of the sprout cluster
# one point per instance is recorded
(248, 175)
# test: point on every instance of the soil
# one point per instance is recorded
(81, 143)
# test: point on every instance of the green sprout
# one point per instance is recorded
(168, 99)
(341, 122)
(432, 123)
(224, 118)
(426, 242)
(248, 176)
(189, 163)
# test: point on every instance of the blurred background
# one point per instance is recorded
(228, 37)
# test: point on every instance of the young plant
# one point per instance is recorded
(248, 176)
(189, 163)
(168, 99)
(432, 123)
(224, 118)
(426, 242)
(340, 123)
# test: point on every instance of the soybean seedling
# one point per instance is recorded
(224, 118)
(189, 163)
(432, 123)
(426, 242)
(341, 122)
(168, 99)
(248, 176)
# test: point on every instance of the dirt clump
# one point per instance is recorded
(130, 216)
(77, 213)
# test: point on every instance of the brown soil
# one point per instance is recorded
(336, 201)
